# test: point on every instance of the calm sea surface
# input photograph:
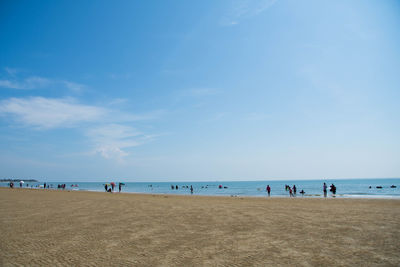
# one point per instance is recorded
(351, 188)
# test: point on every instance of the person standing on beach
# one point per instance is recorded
(325, 189)
(191, 189)
(290, 192)
(119, 187)
(106, 187)
(269, 190)
(333, 190)
(44, 186)
(294, 189)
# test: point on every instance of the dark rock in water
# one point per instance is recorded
(393, 186)
(379, 187)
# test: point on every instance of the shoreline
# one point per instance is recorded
(373, 188)
(338, 196)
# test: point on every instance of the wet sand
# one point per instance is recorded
(55, 228)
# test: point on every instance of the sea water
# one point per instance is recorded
(350, 188)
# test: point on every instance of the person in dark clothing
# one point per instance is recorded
(269, 190)
(106, 187)
(191, 190)
(333, 189)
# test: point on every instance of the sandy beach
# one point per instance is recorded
(55, 228)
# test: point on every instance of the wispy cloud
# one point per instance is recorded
(11, 71)
(245, 9)
(109, 130)
(76, 87)
(31, 82)
(111, 140)
(46, 113)
(14, 79)
(118, 101)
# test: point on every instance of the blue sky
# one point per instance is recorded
(199, 90)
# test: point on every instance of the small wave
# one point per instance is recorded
(370, 196)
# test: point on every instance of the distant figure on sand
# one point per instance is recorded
(119, 187)
(325, 189)
(294, 189)
(191, 189)
(269, 190)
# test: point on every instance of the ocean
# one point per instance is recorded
(346, 188)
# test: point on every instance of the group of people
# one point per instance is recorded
(61, 186)
(110, 187)
(332, 189)
(176, 187)
(293, 190)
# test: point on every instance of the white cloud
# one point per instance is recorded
(11, 71)
(27, 83)
(13, 80)
(118, 101)
(105, 128)
(76, 87)
(48, 113)
(245, 9)
(111, 140)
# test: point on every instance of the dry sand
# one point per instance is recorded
(51, 228)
